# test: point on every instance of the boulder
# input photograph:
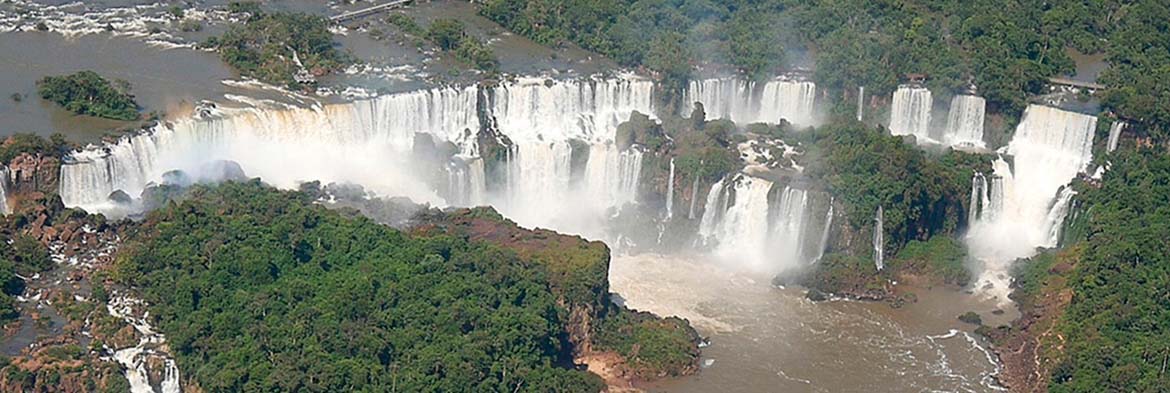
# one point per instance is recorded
(120, 197)
(222, 170)
(177, 178)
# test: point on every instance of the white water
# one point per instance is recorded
(151, 344)
(749, 102)
(910, 113)
(369, 142)
(694, 197)
(365, 142)
(1115, 130)
(1029, 200)
(879, 243)
(612, 175)
(965, 122)
(825, 232)
(748, 230)
(670, 192)
(860, 102)
(466, 182)
(4, 209)
(541, 120)
(979, 200)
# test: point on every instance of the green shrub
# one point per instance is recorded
(267, 46)
(88, 93)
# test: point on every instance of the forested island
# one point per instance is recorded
(183, 256)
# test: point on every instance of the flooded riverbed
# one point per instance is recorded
(770, 339)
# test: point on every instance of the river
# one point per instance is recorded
(764, 338)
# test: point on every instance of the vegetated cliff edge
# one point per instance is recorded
(250, 283)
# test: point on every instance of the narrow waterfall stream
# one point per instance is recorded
(3, 190)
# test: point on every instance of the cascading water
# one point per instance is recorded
(466, 182)
(712, 211)
(1115, 130)
(743, 225)
(860, 102)
(1029, 199)
(370, 142)
(694, 196)
(539, 176)
(879, 242)
(4, 209)
(542, 118)
(825, 233)
(979, 199)
(788, 227)
(748, 102)
(965, 122)
(612, 175)
(670, 192)
(910, 113)
(363, 142)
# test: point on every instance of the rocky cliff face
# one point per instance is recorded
(31, 178)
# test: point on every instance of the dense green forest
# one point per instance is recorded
(286, 49)
(87, 93)
(1117, 325)
(922, 194)
(258, 289)
(1005, 48)
(1139, 66)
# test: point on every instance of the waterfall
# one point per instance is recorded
(466, 182)
(910, 113)
(611, 176)
(879, 240)
(538, 179)
(694, 195)
(534, 109)
(670, 192)
(747, 102)
(825, 232)
(712, 211)
(371, 142)
(363, 142)
(1115, 130)
(744, 226)
(965, 122)
(541, 118)
(860, 102)
(4, 209)
(788, 228)
(1029, 198)
(979, 198)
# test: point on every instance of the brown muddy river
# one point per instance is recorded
(767, 339)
